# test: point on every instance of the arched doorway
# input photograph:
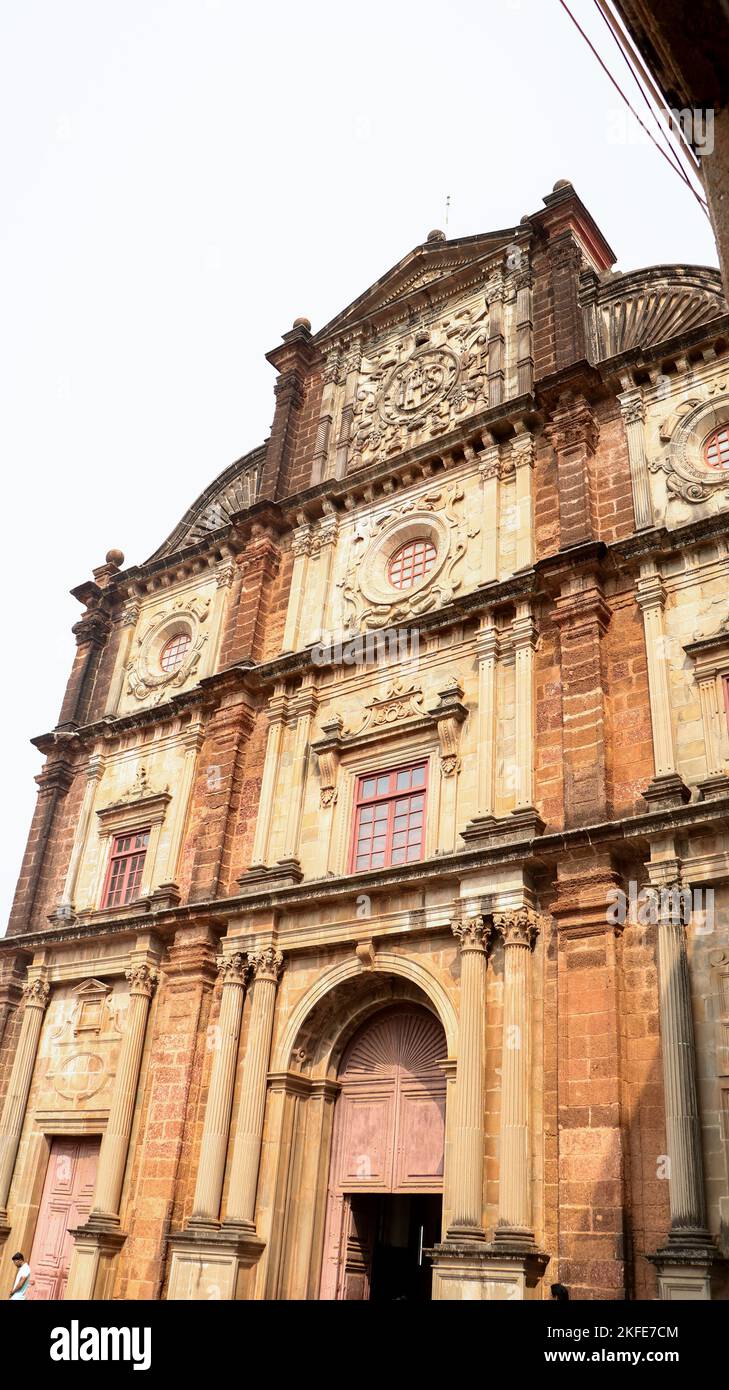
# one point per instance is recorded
(386, 1171)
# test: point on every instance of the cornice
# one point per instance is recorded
(535, 852)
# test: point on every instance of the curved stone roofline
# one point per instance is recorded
(232, 491)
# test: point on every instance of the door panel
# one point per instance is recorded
(67, 1196)
(368, 1122)
(420, 1140)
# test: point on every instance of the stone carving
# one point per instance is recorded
(518, 927)
(473, 933)
(146, 678)
(36, 994)
(142, 980)
(367, 598)
(235, 969)
(648, 306)
(266, 964)
(92, 1012)
(414, 389)
(687, 475)
(400, 702)
(79, 1077)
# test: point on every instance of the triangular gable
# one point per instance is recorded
(432, 262)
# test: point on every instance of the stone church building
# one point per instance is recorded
(371, 940)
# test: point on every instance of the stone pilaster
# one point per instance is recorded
(301, 547)
(303, 708)
(523, 454)
(241, 1209)
(633, 412)
(489, 472)
(94, 774)
(276, 718)
(36, 995)
(667, 788)
(129, 619)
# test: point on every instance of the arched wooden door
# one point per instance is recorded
(389, 1132)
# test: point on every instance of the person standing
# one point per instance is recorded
(22, 1277)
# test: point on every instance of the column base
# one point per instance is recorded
(715, 786)
(286, 874)
(472, 1271)
(209, 1263)
(94, 1258)
(667, 793)
(684, 1266)
(492, 831)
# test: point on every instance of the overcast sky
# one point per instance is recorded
(180, 180)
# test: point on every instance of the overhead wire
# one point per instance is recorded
(677, 169)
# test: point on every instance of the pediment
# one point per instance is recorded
(432, 266)
(642, 307)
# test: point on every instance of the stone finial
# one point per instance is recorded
(560, 184)
(303, 323)
(115, 557)
(436, 235)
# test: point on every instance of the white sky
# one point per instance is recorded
(180, 180)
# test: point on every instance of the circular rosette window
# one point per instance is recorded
(168, 653)
(404, 560)
(697, 460)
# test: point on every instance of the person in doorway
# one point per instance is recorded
(22, 1277)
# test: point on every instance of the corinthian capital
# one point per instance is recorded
(235, 969)
(143, 980)
(36, 994)
(518, 927)
(266, 964)
(472, 932)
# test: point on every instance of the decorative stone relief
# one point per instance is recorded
(146, 678)
(400, 702)
(415, 388)
(688, 476)
(368, 598)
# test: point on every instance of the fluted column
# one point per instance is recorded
(266, 965)
(115, 1143)
(37, 994)
(683, 1130)
(468, 1134)
(216, 1126)
(518, 930)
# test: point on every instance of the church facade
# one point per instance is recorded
(372, 937)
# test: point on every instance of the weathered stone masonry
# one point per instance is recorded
(533, 429)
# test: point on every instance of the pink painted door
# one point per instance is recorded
(66, 1203)
(389, 1135)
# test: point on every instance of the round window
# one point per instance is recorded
(716, 449)
(411, 563)
(173, 652)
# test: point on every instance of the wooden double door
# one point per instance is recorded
(387, 1154)
(67, 1196)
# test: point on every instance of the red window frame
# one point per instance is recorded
(389, 818)
(178, 645)
(718, 443)
(411, 562)
(126, 866)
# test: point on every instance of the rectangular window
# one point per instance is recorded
(124, 878)
(389, 818)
